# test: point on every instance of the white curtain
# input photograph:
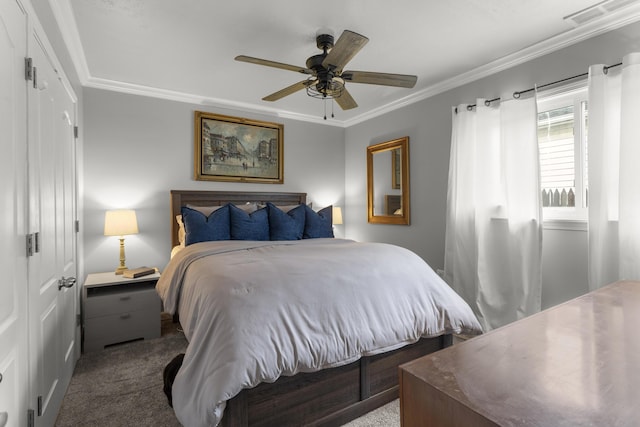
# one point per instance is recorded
(613, 164)
(494, 234)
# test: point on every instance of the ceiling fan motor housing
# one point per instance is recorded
(315, 62)
(324, 76)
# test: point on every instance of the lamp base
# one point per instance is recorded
(122, 266)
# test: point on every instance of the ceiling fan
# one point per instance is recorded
(326, 75)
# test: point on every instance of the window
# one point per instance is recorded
(562, 141)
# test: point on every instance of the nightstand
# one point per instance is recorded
(116, 309)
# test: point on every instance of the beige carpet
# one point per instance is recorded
(122, 386)
(385, 416)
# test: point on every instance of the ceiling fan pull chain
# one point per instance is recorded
(325, 108)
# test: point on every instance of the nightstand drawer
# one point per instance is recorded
(114, 299)
(117, 328)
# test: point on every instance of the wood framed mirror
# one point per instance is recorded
(388, 182)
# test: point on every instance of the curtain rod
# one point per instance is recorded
(517, 94)
(605, 70)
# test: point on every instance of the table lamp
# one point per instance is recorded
(336, 215)
(120, 223)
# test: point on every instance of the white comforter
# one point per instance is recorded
(254, 311)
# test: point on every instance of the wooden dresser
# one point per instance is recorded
(576, 364)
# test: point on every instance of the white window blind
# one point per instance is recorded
(563, 153)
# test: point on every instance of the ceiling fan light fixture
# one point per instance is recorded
(321, 89)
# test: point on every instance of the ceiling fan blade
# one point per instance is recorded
(252, 60)
(344, 49)
(384, 79)
(288, 90)
(346, 101)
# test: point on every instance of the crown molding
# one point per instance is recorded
(66, 22)
(153, 92)
(63, 15)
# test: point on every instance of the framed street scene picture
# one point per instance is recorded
(238, 150)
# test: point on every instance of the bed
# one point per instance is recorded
(303, 378)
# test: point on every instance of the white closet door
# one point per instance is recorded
(13, 260)
(52, 308)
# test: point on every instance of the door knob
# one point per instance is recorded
(65, 283)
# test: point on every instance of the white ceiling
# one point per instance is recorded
(185, 49)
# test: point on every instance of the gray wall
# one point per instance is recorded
(428, 125)
(137, 148)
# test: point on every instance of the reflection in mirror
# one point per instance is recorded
(388, 182)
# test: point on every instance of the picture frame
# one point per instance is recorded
(235, 149)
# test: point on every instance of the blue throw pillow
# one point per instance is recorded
(249, 226)
(318, 224)
(200, 228)
(286, 225)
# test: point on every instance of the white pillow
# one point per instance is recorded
(176, 249)
(181, 231)
(206, 210)
(286, 208)
(248, 207)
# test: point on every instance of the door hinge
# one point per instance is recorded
(29, 245)
(33, 244)
(39, 406)
(77, 226)
(28, 69)
(30, 72)
(75, 132)
(78, 319)
(31, 422)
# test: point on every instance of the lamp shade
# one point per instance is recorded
(336, 215)
(120, 223)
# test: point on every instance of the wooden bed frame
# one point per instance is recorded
(329, 397)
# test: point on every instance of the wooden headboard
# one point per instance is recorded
(180, 198)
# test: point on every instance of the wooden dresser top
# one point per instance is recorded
(575, 364)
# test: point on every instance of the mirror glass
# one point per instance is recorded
(388, 182)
